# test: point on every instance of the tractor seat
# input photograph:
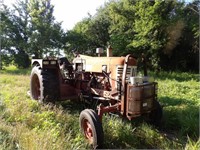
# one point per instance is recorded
(64, 60)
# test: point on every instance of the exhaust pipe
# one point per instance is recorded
(109, 51)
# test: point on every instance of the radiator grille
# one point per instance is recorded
(131, 71)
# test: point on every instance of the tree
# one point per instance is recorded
(30, 28)
(8, 36)
(77, 38)
(98, 31)
(122, 16)
(182, 50)
(166, 31)
(90, 33)
(46, 35)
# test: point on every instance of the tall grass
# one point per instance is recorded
(15, 71)
(26, 124)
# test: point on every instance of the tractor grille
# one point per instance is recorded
(131, 71)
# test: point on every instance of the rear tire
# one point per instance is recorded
(91, 128)
(44, 86)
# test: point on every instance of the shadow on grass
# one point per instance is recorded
(137, 134)
(180, 116)
(169, 101)
(71, 106)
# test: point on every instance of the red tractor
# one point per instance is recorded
(104, 84)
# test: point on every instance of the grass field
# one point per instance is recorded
(25, 124)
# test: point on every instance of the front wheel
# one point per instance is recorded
(91, 127)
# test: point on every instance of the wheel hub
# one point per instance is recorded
(88, 130)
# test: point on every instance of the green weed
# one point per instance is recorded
(26, 124)
(192, 145)
(15, 71)
(122, 134)
(7, 141)
(181, 103)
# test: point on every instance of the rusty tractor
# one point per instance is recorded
(103, 84)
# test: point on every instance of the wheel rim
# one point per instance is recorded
(35, 87)
(88, 130)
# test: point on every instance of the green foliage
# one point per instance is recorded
(46, 35)
(30, 28)
(148, 25)
(14, 70)
(90, 33)
(166, 31)
(21, 60)
(192, 145)
(121, 16)
(77, 39)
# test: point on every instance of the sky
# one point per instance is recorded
(71, 11)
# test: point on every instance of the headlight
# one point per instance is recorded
(45, 62)
(53, 62)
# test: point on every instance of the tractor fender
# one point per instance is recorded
(37, 62)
